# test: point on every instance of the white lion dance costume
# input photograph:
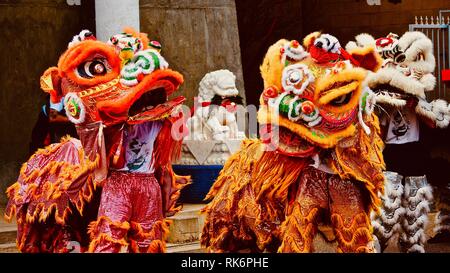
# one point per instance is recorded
(400, 86)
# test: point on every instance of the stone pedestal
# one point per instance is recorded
(207, 152)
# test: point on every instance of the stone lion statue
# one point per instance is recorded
(214, 115)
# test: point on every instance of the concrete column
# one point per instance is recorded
(111, 16)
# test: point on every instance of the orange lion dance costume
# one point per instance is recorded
(318, 160)
(114, 186)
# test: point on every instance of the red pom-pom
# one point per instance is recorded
(307, 107)
(270, 92)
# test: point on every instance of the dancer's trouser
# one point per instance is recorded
(130, 214)
(326, 197)
(404, 212)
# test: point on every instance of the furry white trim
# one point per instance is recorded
(394, 193)
(437, 111)
(293, 53)
(80, 37)
(393, 99)
(429, 81)
(126, 82)
(361, 40)
(350, 46)
(395, 218)
(414, 43)
(392, 205)
(396, 79)
(364, 39)
(424, 108)
(442, 222)
(418, 237)
(72, 100)
(392, 177)
(441, 109)
(421, 222)
(419, 210)
(424, 193)
(384, 232)
(371, 246)
(142, 63)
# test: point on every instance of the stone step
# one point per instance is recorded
(8, 231)
(186, 225)
(191, 210)
(8, 234)
(192, 247)
(8, 248)
(184, 231)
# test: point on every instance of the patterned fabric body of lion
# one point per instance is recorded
(318, 159)
(112, 189)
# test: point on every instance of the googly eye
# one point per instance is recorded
(114, 40)
(295, 77)
(92, 69)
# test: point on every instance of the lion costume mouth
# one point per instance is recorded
(149, 100)
(146, 101)
(287, 142)
(293, 145)
(388, 94)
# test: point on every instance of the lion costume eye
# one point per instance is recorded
(420, 57)
(295, 77)
(92, 69)
(341, 100)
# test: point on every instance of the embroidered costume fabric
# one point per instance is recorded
(315, 108)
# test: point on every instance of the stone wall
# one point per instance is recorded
(33, 35)
(197, 37)
(262, 23)
(346, 18)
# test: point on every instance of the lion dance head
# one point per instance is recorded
(406, 75)
(123, 80)
(314, 94)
